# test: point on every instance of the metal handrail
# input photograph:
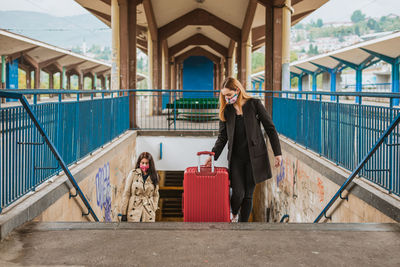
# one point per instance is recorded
(59, 91)
(338, 194)
(364, 94)
(25, 104)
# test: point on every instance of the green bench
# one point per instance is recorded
(193, 109)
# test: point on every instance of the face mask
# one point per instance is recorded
(144, 168)
(231, 100)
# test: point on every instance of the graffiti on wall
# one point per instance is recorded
(103, 191)
(321, 191)
(280, 175)
(294, 194)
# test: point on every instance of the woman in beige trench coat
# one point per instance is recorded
(140, 196)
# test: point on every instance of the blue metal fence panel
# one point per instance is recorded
(76, 128)
(344, 133)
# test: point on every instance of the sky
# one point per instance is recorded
(334, 10)
(341, 10)
(59, 8)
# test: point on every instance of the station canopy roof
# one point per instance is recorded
(46, 55)
(183, 16)
(387, 47)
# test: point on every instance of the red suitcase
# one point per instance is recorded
(206, 193)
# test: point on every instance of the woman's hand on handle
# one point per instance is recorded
(278, 161)
(208, 162)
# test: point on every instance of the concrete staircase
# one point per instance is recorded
(199, 244)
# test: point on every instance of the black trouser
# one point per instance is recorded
(242, 183)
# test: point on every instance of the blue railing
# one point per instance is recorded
(342, 132)
(382, 141)
(372, 87)
(75, 126)
(171, 110)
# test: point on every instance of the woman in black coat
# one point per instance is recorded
(240, 116)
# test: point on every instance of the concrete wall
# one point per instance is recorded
(178, 152)
(101, 179)
(305, 184)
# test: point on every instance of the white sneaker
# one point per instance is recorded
(235, 218)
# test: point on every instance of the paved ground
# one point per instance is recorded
(179, 244)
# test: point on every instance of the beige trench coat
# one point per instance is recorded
(139, 199)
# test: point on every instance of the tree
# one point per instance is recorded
(373, 25)
(76, 49)
(298, 26)
(312, 50)
(357, 30)
(299, 38)
(257, 62)
(357, 16)
(320, 23)
(293, 56)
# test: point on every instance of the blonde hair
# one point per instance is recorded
(232, 84)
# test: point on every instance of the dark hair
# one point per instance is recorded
(152, 168)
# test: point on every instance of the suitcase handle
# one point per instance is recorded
(206, 153)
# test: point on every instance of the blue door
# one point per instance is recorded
(198, 74)
(12, 76)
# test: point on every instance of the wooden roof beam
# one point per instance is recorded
(294, 2)
(248, 19)
(89, 70)
(50, 61)
(258, 32)
(300, 15)
(31, 61)
(20, 53)
(52, 68)
(199, 17)
(198, 51)
(74, 66)
(107, 2)
(198, 39)
(151, 19)
(231, 48)
(258, 43)
(103, 72)
(100, 14)
(276, 3)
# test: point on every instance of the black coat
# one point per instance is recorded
(253, 113)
